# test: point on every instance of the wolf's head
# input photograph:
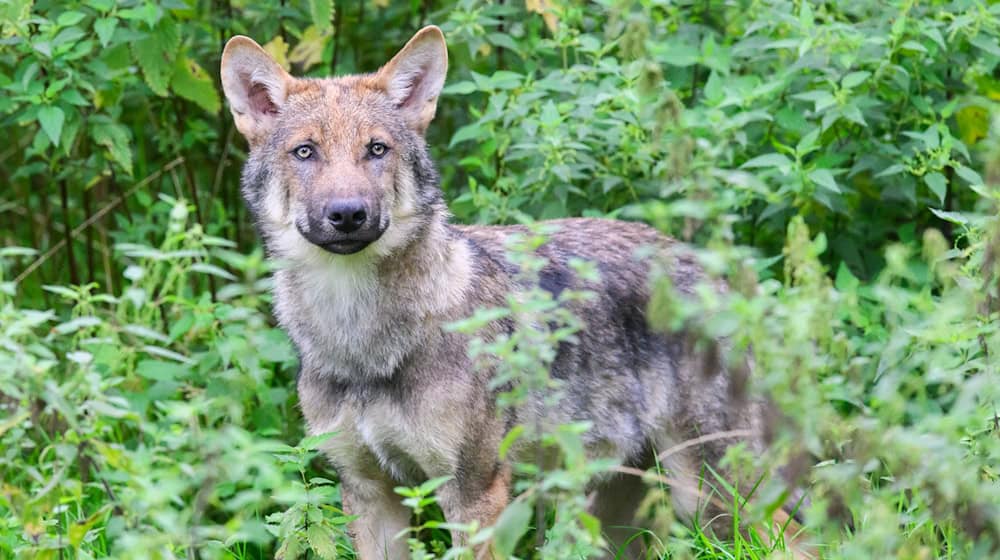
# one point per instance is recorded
(338, 165)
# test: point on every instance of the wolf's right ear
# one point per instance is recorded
(255, 85)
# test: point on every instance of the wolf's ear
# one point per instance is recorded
(414, 77)
(255, 85)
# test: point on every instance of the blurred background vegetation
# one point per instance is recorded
(837, 162)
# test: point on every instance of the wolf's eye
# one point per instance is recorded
(303, 152)
(377, 149)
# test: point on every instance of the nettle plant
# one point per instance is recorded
(758, 123)
(873, 380)
(550, 488)
(146, 424)
(856, 115)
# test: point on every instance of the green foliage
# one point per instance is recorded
(837, 162)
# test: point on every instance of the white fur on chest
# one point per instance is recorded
(334, 301)
(339, 318)
(348, 321)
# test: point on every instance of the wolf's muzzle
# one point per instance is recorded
(344, 225)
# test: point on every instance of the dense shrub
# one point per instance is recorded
(837, 162)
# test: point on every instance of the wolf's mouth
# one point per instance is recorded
(340, 244)
(346, 246)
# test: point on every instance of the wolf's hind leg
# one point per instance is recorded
(614, 502)
(464, 501)
(696, 495)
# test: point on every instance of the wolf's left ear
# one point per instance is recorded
(255, 85)
(414, 77)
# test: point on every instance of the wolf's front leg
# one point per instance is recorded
(476, 496)
(381, 517)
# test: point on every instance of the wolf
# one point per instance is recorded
(346, 198)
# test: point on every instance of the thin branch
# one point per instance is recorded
(337, 19)
(67, 233)
(18, 145)
(87, 209)
(97, 216)
(223, 161)
(704, 439)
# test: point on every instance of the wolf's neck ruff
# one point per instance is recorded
(360, 316)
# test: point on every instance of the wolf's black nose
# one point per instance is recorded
(347, 215)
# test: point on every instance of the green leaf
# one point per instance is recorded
(467, 132)
(511, 526)
(291, 548)
(591, 524)
(181, 326)
(550, 114)
(116, 139)
(957, 218)
(68, 35)
(213, 270)
(930, 137)
(74, 325)
(275, 347)
(912, 45)
(820, 98)
(156, 54)
(191, 82)
(969, 175)
(893, 169)
(986, 43)
(67, 19)
(808, 143)
(505, 79)
(854, 79)
(43, 47)
(680, 54)
(60, 290)
(323, 541)
(105, 29)
(73, 97)
(774, 159)
(161, 371)
(504, 40)
(309, 51)
(713, 88)
(101, 5)
(852, 113)
(824, 178)
(312, 443)
(52, 118)
(148, 13)
(12, 11)
(846, 281)
(78, 530)
(460, 88)
(509, 440)
(322, 13)
(938, 184)
(429, 486)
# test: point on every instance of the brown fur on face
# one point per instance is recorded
(336, 123)
(377, 366)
